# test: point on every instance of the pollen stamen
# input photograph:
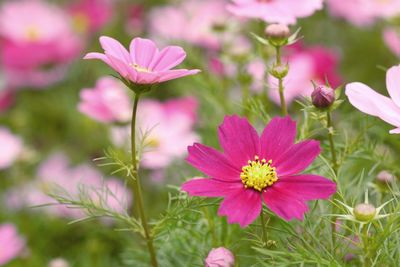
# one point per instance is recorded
(140, 68)
(258, 174)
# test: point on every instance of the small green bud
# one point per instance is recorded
(364, 212)
(277, 34)
(279, 71)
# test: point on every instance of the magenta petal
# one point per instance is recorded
(241, 207)
(114, 48)
(204, 187)
(297, 158)
(174, 74)
(212, 162)
(278, 136)
(168, 58)
(284, 205)
(143, 51)
(306, 186)
(239, 140)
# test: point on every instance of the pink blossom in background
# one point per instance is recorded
(252, 169)
(135, 22)
(11, 243)
(372, 103)
(220, 257)
(306, 65)
(391, 37)
(167, 128)
(6, 99)
(364, 12)
(56, 172)
(257, 69)
(144, 63)
(11, 147)
(107, 102)
(275, 11)
(90, 15)
(37, 41)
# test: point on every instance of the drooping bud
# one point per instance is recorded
(385, 177)
(220, 257)
(277, 33)
(323, 96)
(364, 212)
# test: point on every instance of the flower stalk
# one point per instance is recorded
(278, 63)
(335, 165)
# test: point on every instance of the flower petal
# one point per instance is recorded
(168, 58)
(143, 51)
(114, 48)
(306, 186)
(205, 187)
(393, 84)
(241, 207)
(95, 55)
(278, 136)
(212, 162)
(122, 68)
(239, 140)
(297, 158)
(284, 205)
(395, 131)
(174, 74)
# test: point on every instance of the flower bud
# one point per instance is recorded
(385, 177)
(277, 32)
(58, 262)
(323, 96)
(364, 212)
(279, 71)
(220, 257)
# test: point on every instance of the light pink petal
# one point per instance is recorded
(286, 206)
(100, 56)
(306, 186)
(243, 207)
(212, 162)
(278, 136)
(168, 58)
(122, 68)
(114, 48)
(297, 158)
(204, 187)
(395, 131)
(393, 84)
(143, 51)
(370, 102)
(148, 77)
(239, 140)
(174, 74)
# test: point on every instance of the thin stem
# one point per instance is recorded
(280, 81)
(332, 143)
(136, 187)
(263, 228)
(365, 241)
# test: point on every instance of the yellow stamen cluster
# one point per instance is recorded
(258, 174)
(32, 34)
(139, 68)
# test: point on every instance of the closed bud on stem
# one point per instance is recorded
(58, 262)
(385, 177)
(364, 212)
(279, 71)
(277, 34)
(220, 257)
(323, 96)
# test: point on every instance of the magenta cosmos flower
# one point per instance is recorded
(370, 102)
(144, 63)
(254, 168)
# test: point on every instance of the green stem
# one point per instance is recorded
(263, 228)
(280, 82)
(335, 165)
(136, 187)
(365, 241)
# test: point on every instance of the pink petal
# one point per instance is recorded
(97, 56)
(147, 78)
(143, 51)
(284, 205)
(241, 207)
(278, 136)
(204, 187)
(393, 84)
(168, 58)
(174, 74)
(114, 48)
(239, 140)
(297, 158)
(122, 68)
(370, 102)
(395, 131)
(212, 162)
(306, 186)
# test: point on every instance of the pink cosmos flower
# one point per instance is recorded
(11, 148)
(257, 70)
(135, 22)
(370, 102)
(6, 99)
(144, 63)
(220, 257)
(254, 168)
(106, 102)
(275, 11)
(392, 39)
(11, 244)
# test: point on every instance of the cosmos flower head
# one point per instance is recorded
(252, 169)
(11, 243)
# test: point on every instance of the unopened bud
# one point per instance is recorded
(280, 71)
(364, 212)
(385, 177)
(58, 262)
(220, 257)
(277, 32)
(323, 96)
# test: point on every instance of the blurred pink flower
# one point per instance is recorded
(364, 12)
(275, 11)
(306, 64)
(6, 99)
(370, 102)
(11, 243)
(55, 173)
(135, 22)
(108, 101)
(257, 70)
(90, 15)
(37, 41)
(167, 128)
(220, 257)
(194, 21)
(144, 63)
(254, 168)
(11, 148)
(392, 39)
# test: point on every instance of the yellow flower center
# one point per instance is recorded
(258, 174)
(81, 23)
(153, 142)
(32, 34)
(139, 68)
